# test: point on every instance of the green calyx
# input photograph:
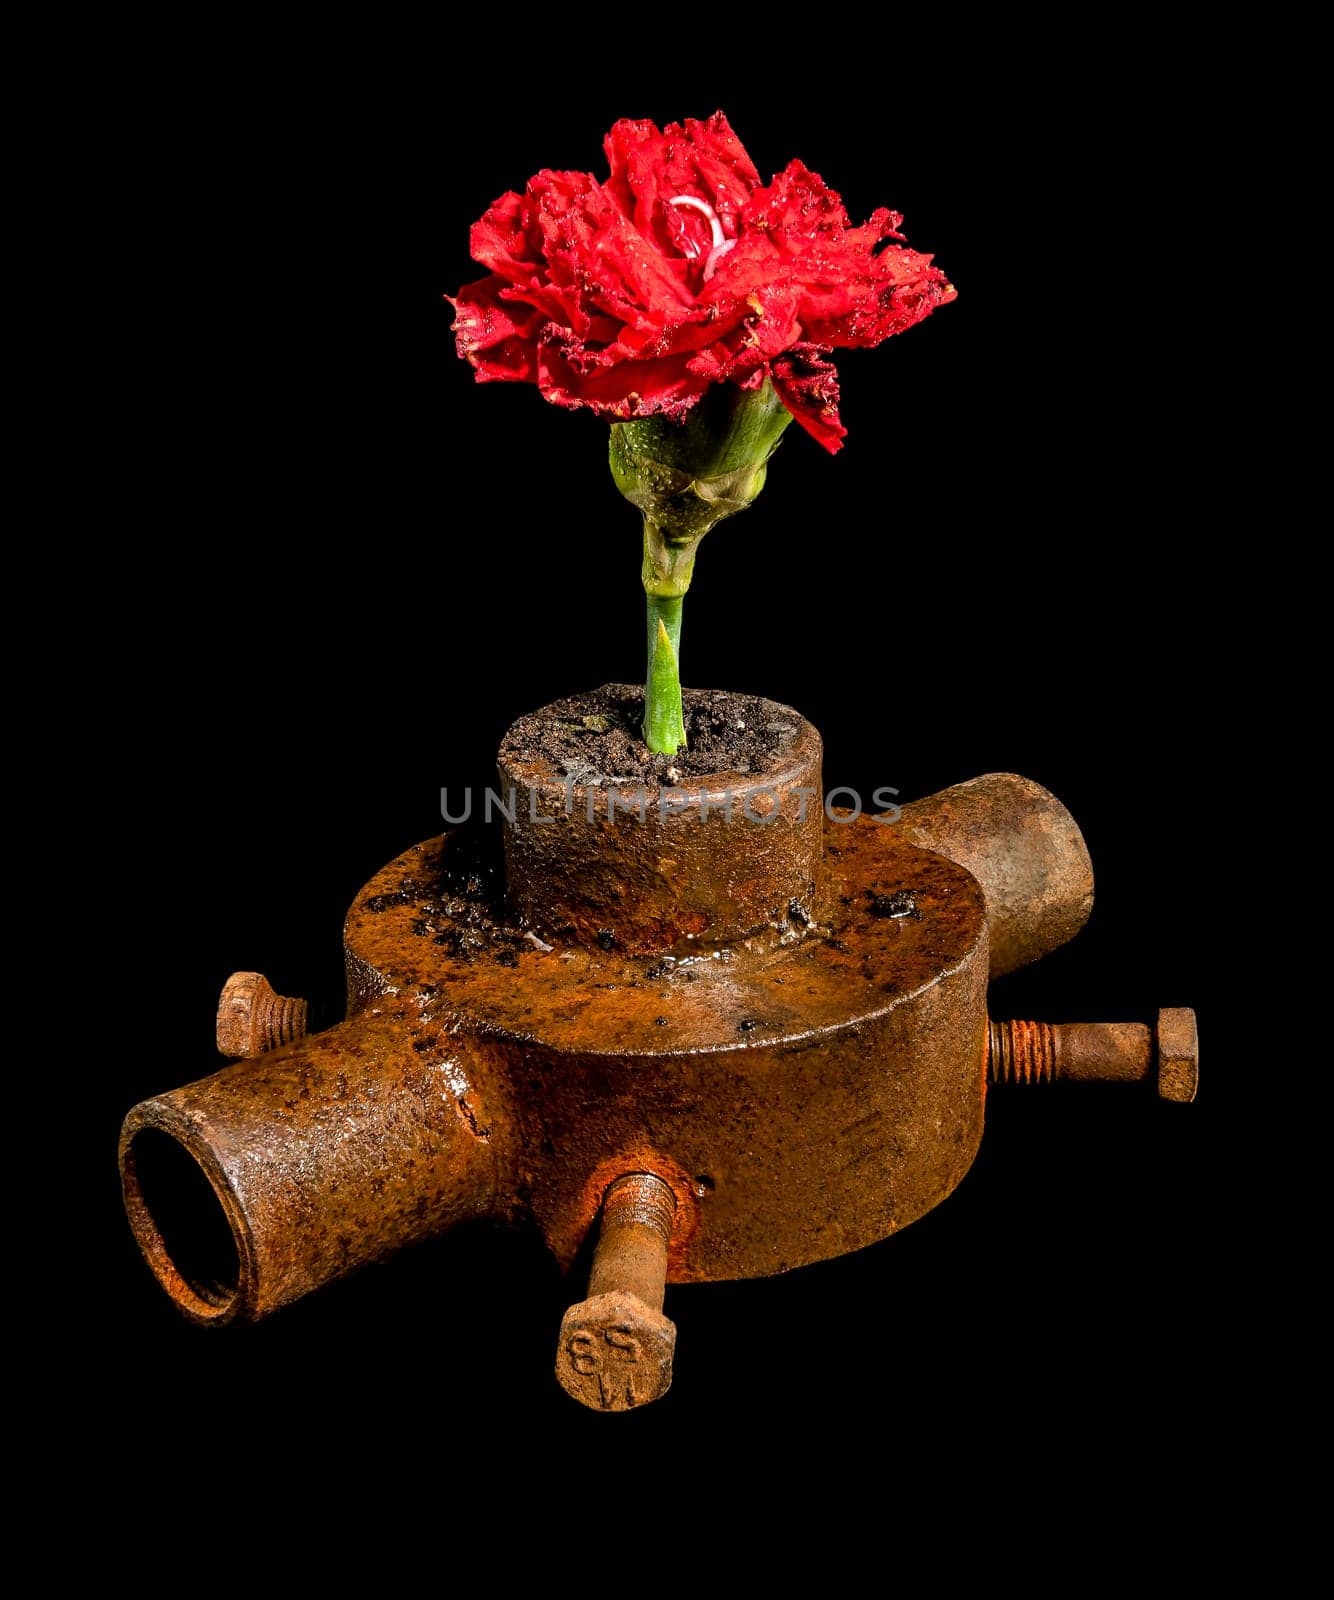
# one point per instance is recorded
(686, 477)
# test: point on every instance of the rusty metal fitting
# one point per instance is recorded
(1026, 851)
(1178, 1055)
(1099, 1052)
(725, 1026)
(253, 1019)
(718, 856)
(249, 1189)
(616, 1347)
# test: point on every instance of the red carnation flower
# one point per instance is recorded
(632, 296)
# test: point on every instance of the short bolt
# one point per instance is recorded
(253, 1019)
(1099, 1052)
(1178, 1054)
(616, 1346)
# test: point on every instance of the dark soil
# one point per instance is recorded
(595, 737)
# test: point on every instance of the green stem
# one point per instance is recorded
(664, 727)
(685, 478)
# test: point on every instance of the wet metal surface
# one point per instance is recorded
(648, 865)
(1026, 851)
(817, 1094)
(777, 1029)
(323, 1155)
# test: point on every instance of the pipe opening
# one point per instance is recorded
(181, 1224)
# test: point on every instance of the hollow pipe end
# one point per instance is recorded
(185, 1216)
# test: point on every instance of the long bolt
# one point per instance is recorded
(1099, 1052)
(253, 1019)
(616, 1346)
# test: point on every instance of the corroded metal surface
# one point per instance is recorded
(1026, 851)
(322, 1156)
(813, 1095)
(1178, 1055)
(1099, 1052)
(1088, 1052)
(648, 866)
(780, 1025)
(253, 1019)
(615, 1348)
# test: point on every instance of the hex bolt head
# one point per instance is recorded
(616, 1346)
(1178, 1055)
(253, 1019)
(615, 1352)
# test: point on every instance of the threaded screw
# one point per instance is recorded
(1099, 1052)
(253, 1019)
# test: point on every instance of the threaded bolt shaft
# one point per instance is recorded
(253, 1019)
(616, 1346)
(1099, 1052)
(1021, 1052)
(633, 1235)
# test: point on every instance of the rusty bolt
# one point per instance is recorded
(1178, 1055)
(1099, 1052)
(616, 1346)
(253, 1019)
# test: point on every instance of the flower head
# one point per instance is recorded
(632, 296)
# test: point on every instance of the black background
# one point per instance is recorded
(381, 564)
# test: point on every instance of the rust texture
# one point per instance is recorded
(1026, 851)
(1099, 1052)
(1178, 1055)
(320, 1156)
(615, 1348)
(715, 857)
(633, 1234)
(817, 1093)
(732, 1047)
(253, 1019)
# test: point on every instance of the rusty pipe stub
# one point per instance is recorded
(248, 1189)
(641, 863)
(1026, 851)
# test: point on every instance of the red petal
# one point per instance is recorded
(506, 240)
(591, 246)
(650, 169)
(850, 295)
(626, 389)
(807, 385)
(597, 291)
(497, 339)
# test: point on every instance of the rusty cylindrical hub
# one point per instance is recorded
(734, 1040)
(648, 863)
